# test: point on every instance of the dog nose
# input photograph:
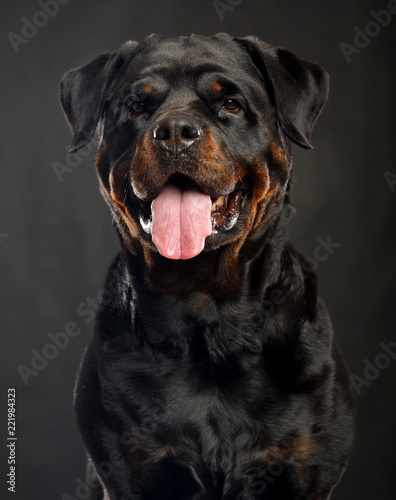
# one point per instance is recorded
(176, 134)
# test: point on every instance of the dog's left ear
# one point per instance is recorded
(83, 92)
(298, 88)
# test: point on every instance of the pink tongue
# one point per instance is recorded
(181, 222)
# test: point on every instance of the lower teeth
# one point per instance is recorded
(146, 224)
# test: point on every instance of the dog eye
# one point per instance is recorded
(231, 105)
(137, 108)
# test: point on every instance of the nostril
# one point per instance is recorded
(185, 133)
(190, 132)
(161, 133)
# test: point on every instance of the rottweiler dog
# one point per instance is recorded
(212, 372)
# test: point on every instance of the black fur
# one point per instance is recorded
(215, 377)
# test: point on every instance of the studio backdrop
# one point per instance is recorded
(57, 239)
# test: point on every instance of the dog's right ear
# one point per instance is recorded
(83, 92)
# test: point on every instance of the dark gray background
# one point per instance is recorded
(60, 239)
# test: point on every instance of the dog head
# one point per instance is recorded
(194, 151)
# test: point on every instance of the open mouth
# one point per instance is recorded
(181, 217)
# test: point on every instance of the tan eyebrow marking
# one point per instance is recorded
(217, 87)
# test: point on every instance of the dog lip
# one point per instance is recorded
(140, 195)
